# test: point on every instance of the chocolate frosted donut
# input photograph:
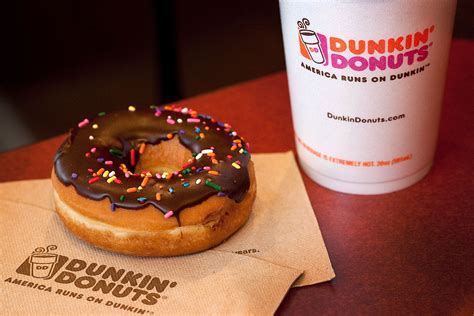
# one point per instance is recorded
(162, 160)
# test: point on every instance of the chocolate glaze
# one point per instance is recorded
(125, 130)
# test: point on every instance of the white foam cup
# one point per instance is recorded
(366, 80)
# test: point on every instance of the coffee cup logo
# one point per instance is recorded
(42, 262)
(310, 46)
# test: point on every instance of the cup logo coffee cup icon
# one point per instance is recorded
(309, 43)
(42, 262)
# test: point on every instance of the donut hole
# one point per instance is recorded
(167, 156)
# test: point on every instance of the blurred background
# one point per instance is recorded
(62, 61)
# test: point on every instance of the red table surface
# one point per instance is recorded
(410, 251)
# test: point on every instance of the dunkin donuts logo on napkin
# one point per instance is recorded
(364, 54)
(43, 264)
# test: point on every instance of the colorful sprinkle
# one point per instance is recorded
(185, 184)
(168, 214)
(198, 181)
(193, 120)
(169, 136)
(158, 196)
(101, 114)
(220, 194)
(142, 199)
(170, 121)
(115, 152)
(145, 181)
(83, 123)
(235, 165)
(213, 185)
(100, 159)
(109, 162)
(113, 207)
(188, 163)
(131, 190)
(122, 198)
(141, 150)
(111, 179)
(93, 180)
(131, 108)
(132, 157)
(170, 190)
(74, 175)
(95, 126)
(213, 172)
(91, 137)
(101, 171)
(105, 174)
